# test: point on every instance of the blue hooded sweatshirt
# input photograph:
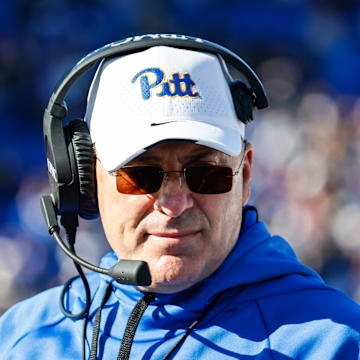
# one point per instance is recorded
(265, 304)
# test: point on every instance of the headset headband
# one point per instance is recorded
(139, 43)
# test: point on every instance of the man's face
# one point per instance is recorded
(183, 236)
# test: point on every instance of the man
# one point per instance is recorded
(173, 182)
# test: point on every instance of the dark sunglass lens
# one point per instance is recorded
(139, 180)
(209, 179)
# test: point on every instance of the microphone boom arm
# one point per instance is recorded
(131, 272)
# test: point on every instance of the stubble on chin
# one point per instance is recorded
(172, 274)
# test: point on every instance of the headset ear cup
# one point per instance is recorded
(85, 161)
(243, 101)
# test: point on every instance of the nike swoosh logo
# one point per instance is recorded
(162, 123)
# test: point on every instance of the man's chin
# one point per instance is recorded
(173, 273)
(166, 288)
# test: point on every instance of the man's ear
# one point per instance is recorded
(246, 172)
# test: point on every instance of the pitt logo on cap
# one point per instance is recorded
(177, 85)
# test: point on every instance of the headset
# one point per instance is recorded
(70, 155)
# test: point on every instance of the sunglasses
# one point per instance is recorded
(206, 179)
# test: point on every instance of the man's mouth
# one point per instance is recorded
(174, 237)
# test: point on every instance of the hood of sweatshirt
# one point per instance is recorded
(259, 265)
(256, 257)
(260, 296)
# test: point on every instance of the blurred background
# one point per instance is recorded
(307, 145)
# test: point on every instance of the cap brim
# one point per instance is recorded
(222, 139)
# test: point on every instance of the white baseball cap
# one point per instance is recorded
(162, 93)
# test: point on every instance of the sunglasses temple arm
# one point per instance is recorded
(242, 159)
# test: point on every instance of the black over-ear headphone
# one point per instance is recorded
(71, 158)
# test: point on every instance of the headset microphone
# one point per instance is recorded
(125, 271)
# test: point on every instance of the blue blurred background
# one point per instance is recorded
(307, 145)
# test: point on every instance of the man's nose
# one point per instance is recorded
(174, 197)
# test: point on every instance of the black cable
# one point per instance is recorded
(67, 285)
(84, 313)
(191, 327)
(70, 223)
